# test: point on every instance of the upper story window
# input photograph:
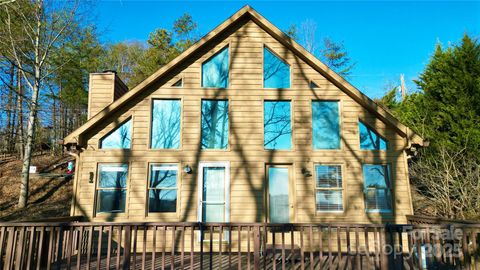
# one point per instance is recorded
(215, 70)
(165, 132)
(214, 124)
(162, 188)
(369, 139)
(277, 127)
(377, 187)
(276, 73)
(120, 137)
(329, 189)
(325, 125)
(112, 188)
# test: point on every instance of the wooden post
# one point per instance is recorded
(126, 248)
(256, 248)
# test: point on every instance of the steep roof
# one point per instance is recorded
(76, 137)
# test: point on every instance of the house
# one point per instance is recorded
(244, 126)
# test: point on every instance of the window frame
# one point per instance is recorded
(229, 111)
(390, 189)
(265, 46)
(178, 188)
(150, 124)
(209, 56)
(340, 123)
(112, 130)
(342, 189)
(97, 188)
(387, 146)
(292, 138)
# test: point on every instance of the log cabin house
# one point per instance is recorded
(244, 126)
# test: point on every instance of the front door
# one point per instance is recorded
(279, 199)
(213, 192)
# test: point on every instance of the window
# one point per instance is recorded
(112, 188)
(165, 124)
(369, 139)
(162, 188)
(325, 125)
(120, 137)
(215, 70)
(329, 190)
(276, 73)
(214, 124)
(277, 125)
(377, 188)
(178, 83)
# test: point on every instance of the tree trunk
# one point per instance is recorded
(19, 132)
(27, 157)
(10, 117)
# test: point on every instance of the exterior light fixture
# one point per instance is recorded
(90, 177)
(187, 169)
(306, 172)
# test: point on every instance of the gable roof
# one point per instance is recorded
(77, 136)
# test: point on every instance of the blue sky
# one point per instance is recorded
(384, 38)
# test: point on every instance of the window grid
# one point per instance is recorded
(328, 182)
(166, 167)
(121, 167)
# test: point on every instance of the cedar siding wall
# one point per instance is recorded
(245, 153)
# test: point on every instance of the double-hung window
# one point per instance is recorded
(325, 125)
(165, 133)
(214, 124)
(329, 188)
(119, 138)
(162, 188)
(112, 188)
(377, 188)
(277, 127)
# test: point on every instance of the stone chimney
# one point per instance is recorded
(104, 88)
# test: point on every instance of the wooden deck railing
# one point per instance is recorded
(84, 245)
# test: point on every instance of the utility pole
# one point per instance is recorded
(403, 89)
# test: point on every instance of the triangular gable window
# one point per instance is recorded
(369, 139)
(276, 73)
(313, 85)
(215, 70)
(119, 138)
(178, 83)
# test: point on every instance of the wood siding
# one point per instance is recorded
(246, 153)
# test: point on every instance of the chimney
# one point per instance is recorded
(104, 88)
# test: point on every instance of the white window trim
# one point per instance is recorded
(342, 189)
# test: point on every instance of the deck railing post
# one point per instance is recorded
(256, 247)
(127, 247)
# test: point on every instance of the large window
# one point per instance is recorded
(166, 124)
(277, 127)
(215, 70)
(369, 139)
(329, 189)
(325, 124)
(112, 188)
(377, 187)
(276, 73)
(214, 124)
(120, 137)
(162, 188)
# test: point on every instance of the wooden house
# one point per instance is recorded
(244, 126)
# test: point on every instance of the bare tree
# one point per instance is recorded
(30, 31)
(448, 184)
(308, 29)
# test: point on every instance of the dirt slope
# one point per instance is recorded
(50, 195)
